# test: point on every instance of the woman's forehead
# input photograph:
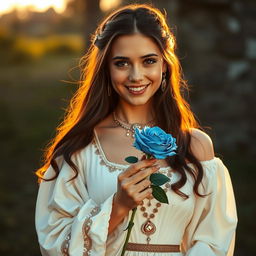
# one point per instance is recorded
(135, 45)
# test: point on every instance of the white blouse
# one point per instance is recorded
(72, 217)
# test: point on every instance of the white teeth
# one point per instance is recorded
(137, 89)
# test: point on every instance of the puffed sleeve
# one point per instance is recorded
(68, 222)
(211, 231)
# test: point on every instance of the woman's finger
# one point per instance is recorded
(142, 174)
(136, 167)
(141, 196)
(141, 186)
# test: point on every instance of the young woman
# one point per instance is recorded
(132, 78)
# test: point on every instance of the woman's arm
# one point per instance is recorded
(68, 221)
(211, 231)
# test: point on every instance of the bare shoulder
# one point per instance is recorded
(201, 145)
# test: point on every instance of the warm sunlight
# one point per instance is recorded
(106, 5)
(36, 5)
(43, 5)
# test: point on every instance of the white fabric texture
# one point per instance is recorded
(72, 218)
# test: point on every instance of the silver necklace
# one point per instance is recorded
(130, 128)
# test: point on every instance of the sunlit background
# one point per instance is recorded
(33, 5)
(42, 5)
(41, 43)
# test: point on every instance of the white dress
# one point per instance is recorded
(72, 218)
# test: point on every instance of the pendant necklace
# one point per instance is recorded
(130, 128)
(148, 228)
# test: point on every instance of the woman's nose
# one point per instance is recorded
(135, 75)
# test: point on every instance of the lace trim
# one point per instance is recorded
(112, 167)
(86, 228)
(103, 161)
(65, 245)
(121, 167)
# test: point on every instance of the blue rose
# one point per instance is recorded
(155, 142)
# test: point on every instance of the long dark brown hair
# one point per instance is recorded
(91, 103)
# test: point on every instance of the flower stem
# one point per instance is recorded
(148, 156)
(129, 229)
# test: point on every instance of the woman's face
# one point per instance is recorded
(136, 66)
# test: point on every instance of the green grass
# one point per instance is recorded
(32, 100)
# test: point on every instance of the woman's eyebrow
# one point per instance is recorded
(142, 57)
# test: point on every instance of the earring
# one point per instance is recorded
(163, 84)
(109, 90)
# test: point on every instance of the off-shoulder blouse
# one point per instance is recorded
(72, 217)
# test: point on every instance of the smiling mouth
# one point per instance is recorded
(137, 89)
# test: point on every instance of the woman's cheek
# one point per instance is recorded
(155, 75)
(118, 77)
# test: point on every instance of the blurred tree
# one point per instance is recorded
(90, 13)
(158, 3)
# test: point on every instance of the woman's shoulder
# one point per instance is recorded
(201, 145)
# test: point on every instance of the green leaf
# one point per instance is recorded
(131, 159)
(158, 179)
(159, 194)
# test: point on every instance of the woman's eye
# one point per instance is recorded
(124, 63)
(150, 61)
(121, 64)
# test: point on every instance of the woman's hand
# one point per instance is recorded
(133, 185)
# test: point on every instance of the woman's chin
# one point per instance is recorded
(139, 101)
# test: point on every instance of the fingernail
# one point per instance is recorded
(157, 166)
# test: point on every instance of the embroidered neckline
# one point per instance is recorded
(111, 165)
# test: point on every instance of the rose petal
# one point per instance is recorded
(155, 141)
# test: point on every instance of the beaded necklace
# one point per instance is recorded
(130, 128)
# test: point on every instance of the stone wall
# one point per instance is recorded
(217, 48)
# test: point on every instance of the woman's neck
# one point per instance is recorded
(134, 114)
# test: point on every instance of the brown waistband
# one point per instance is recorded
(152, 247)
